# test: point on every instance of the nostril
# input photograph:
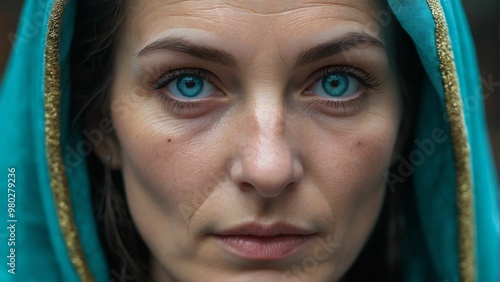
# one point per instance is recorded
(268, 176)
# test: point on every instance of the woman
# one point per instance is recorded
(246, 141)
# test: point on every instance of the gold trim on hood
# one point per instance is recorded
(454, 109)
(58, 181)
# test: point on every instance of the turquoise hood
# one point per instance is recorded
(453, 234)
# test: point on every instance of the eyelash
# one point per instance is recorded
(366, 79)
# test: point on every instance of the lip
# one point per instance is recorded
(263, 242)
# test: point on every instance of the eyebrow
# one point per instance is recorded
(224, 58)
(338, 45)
(181, 45)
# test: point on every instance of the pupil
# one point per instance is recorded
(334, 83)
(190, 84)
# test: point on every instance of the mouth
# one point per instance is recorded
(261, 242)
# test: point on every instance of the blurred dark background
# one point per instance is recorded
(484, 17)
(9, 15)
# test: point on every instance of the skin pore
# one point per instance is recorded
(270, 113)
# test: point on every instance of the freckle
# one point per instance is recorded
(169, 140)
(359, 143)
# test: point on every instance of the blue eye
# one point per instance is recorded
(190, 86)
(336, 85)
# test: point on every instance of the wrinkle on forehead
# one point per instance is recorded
(260, 8)
(148, 17)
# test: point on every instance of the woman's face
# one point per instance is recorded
(253, 136)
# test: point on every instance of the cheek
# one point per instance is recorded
(348, 167)
(356, 163)
(166, 182)
(352, 161)
(165, 169)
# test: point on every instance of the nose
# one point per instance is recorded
(265, 162)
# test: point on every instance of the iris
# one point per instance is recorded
(335, 85)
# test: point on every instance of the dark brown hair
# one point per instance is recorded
(97, 28)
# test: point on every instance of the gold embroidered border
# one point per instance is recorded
(465, 208)
(58, 181)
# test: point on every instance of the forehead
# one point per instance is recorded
(256, 7)
(262, 19)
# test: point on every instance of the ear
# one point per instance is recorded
(109, 153)
(106, 147)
